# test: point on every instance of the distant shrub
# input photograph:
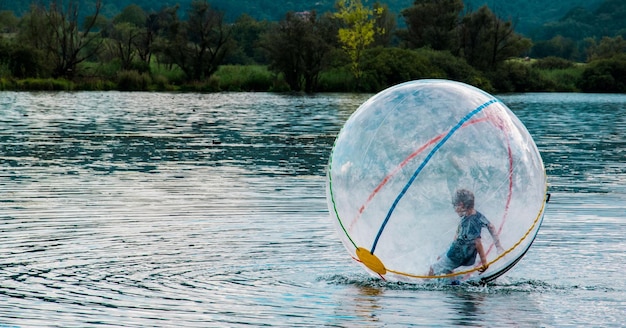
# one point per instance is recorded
(279, 84)
(563, 80)
(133, 81)
(456, 68)
(50, 84)
(6, 84)
(95, 84)
(514, 76)
(244, 78)
(21, 62)
(174, 75)
(107, 70)
(605, 75)
(140, 66)
(4, 68)
(161, 83)
(384, 67)
(257, 79)
(336, 80)
(552, 63)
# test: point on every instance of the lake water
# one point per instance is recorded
(209, 210)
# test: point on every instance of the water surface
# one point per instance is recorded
(196, 210)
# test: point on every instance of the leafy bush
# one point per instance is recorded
(95, 84)
(336, 80)
(384, 67)
(107, 70)
(244, 78)
(21, 62)
(514, 76)
(6, 84)
(133, 81)
(456, 68)
(563, 80)
(552, 63)
(161, 83)
(50, 84)
(258, 78)
(605, 75)
(174, 75)
(140, 66)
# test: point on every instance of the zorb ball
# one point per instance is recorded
(397, 163)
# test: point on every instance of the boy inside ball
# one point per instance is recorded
(467, 241)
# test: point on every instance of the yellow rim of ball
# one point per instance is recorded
(371, 261)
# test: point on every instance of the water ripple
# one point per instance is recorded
(196, 210)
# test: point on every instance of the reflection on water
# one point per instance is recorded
(195, 210)
(581, 138)
(203, 130)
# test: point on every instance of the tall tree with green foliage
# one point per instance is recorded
(607, 47)
(486, 40)
(8, 22)
(198, 46)
(284, 47)
(358, 31)
(298, 48)
(56, 32)
(121, 41)
(126, 36)
(432, 23)
(558, 46)
(385, 24)
(246, 33)
(162, 28)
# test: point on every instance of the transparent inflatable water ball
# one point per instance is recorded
(397, 169)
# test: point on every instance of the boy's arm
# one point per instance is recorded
(481, 253)
(494, 235)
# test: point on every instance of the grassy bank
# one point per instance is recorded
(158, 78)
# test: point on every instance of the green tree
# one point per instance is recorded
(558, 46)
(385, 25)
(127, 36)
(486, 40)
(358, 30)
(200, 44)
(131, 14)
(607, 47)
(21, 61)
(8, 22)
(157, 28)
(605, 75)
(385, 67)
(246, 33)
(55, 31)
(122, 39)
(320, 43)
(432, 23)
(298, 48)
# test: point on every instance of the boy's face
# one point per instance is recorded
(460, 209)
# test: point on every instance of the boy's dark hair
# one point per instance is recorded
(465, 197)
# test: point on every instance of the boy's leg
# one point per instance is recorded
(443, 266)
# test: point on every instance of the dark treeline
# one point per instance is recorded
(355, 47)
